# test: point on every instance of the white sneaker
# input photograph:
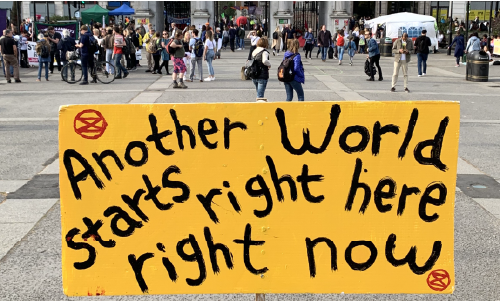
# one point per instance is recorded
(238, 49)
(207, 79)
(419, 75)
(213, 78)
(423, 74)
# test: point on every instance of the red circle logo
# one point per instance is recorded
(438, 280)
(90, 124)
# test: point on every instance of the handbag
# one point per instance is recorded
(464, 58)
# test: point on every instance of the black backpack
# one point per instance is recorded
(198, 48)
(275, 35)
(93, 45)
(253, 71)
(285, 70)
(45, 52)
(367, 68)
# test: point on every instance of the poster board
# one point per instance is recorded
(496, 46)
(303, 197)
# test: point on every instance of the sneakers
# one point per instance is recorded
(419, 75)
(335, 57)
(181, 85)
(371, 80)
(207, 79)
(213, 78)
(340, 63)
(350, 63)
(175, 85)
(407, 91)
(423, 74)
(125, 75)
(393, 89)
(457, 66)
(238, 49)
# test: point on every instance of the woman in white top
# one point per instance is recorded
(209, 54)
(254, 38)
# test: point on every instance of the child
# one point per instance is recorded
(351, 49)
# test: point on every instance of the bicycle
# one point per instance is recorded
(72, 71)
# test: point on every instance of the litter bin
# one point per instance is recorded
(477, 68)
(386, 47)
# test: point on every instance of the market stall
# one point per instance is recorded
(95, 13)
(397, 24)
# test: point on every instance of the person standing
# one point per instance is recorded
(196, 47)
(134, 46)
(164, 54)
(108, 46)
(277, 36)
(157, 54)
(218, 41)
(179, 66)
(66, 44)
(118, 53)
(401, 50)
(232, 37)
(147, 38)
(187, 56)
(298, 70)
(362, 43)
(422, 44)
(474, 44)
(43, 51)
(340, 45)
(286, 30)
(209, 55)
(241, 36)
(8, 50)
(54, 38)
(225, 37)
(374, 56)
(324, 38)
(309, 37)
(138, 37)
(87, 58)
(24, 50)
(261, 57)
(459, 48)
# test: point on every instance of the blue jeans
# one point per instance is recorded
(109, 58)
(324, 52)
(422, 60)
(118, 65)
(85, 68)
(260, 86)
(361, 48)
(294, 85)
(210, 57)
(341, 49)
(242, 43)
(40, 64)
(237, 41)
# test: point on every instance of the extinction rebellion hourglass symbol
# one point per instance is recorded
(90, 124)
(438, 280)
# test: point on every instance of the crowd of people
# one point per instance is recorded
(189, 48)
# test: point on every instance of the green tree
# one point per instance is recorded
(228, 12)
(495, 26)
(14, 13)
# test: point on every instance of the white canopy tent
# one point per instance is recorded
(413, 24)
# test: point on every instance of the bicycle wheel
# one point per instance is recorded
(72, 73)
(102, 74)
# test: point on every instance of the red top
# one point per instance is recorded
(118, 50)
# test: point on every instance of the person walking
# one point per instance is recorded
(422, 44)
(459, 48)
(139, 46)
(164, 54)
(261, 57)
(277, 37)
(54, 38)
(309, 37)
(179, 66)
(118, 53)
(196, 47)
(43, 51)
(298, 70)
(340, 45)
(157, 54)
(66, 44)
(351, 49)
(374, 56)
(401, 49)
(324, 38)
(134, 46)
(362, 43)
(209, 55)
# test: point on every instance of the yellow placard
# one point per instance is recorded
(496, 46)
(304, 197)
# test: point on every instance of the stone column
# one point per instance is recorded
(281, 10)
(59, 8)
(201, 13)
(159, 18)
(142, 11)
(103, 4)
(338, 15)
(25, 10)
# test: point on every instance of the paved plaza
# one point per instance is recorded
(30, 228)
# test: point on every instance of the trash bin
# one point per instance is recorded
(478, 67)
(386, 47)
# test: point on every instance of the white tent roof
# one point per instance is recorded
(402, 17)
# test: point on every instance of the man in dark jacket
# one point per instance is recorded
(324, 38)
(422, 44)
